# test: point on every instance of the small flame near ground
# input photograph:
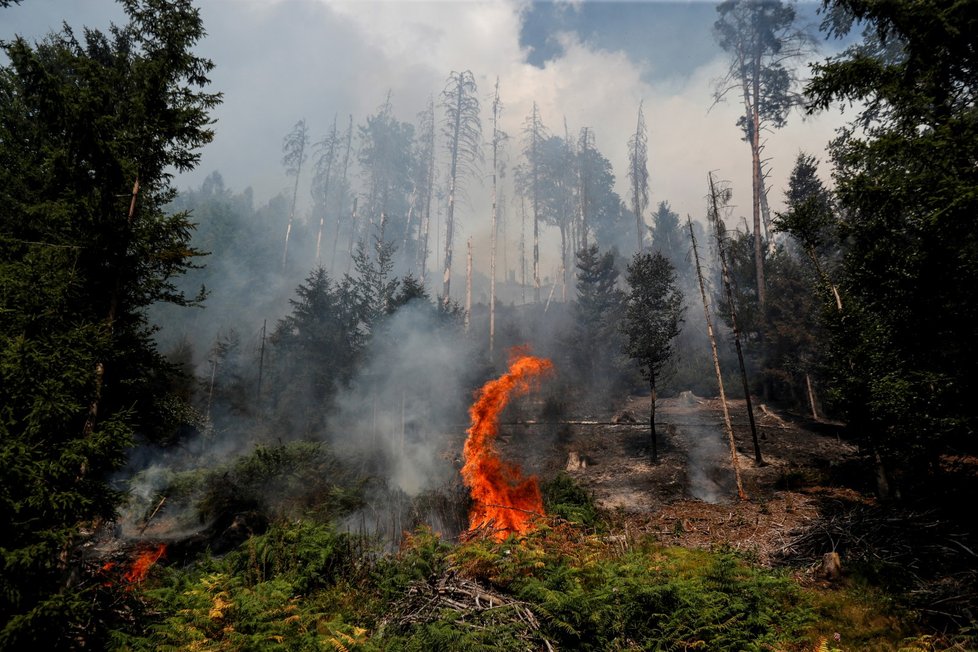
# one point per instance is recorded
(504, 500)
(143, 562)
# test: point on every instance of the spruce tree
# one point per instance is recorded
(91, 130)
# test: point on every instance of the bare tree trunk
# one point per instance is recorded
(261, 365)
(563, 262)
(718, 224)
(449, 234)
(89, 426)
(210, 391)
(825, 278)
(407, 222)
(655, 446)
(353, 235)
(811, 396)
(468, 285)
(295, 195)
(754, 116)
(523, 251)
(765, 208)
(346, 167)
(329, 173)
(493, 224)
(536, 254)
(582, 181)
(716, 366)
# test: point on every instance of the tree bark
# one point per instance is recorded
(493, 223)
(329, 173)
(811, 396)
(346, 167)
(453, 182)
(652, 439)
(716, 366)
(725, 273)
(89, 426)
(468, 285)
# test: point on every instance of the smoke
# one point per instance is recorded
(406, 403)
(707, 458)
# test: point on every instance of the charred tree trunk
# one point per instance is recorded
(725, 274)
(716, 366)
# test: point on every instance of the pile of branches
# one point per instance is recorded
(473, 606)
(933, 561)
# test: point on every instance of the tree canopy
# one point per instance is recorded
(91, 131)
(907, 186)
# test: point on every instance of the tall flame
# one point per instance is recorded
(141, 565)
(504, 500)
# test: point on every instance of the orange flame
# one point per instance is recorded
(140, 567)
(503, 499)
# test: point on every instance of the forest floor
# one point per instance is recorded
(689, 496)
(808, 498)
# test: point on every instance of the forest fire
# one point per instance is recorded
(504, 500)
(143, 562)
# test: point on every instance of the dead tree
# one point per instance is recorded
(638, 174)
(427, 161)
(294, 155)
(534, 134)
(463, 131)
(716, 366)
(324, 172)
(343, 189)
(584, 146)
(714, 216)
(468, 284)
(498, 137)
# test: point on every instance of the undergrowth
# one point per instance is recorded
(303, 585)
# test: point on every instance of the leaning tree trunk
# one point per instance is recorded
(725, 274)
(716, 366)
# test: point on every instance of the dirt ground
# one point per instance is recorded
(689, 497)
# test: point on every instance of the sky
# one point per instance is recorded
(584, 62)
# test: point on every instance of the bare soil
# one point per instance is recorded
(689, 496)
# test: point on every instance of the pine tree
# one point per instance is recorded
(653, 317)
(598, 312)
(762, 43)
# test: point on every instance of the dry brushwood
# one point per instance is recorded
(475, 606)
(936, 557)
